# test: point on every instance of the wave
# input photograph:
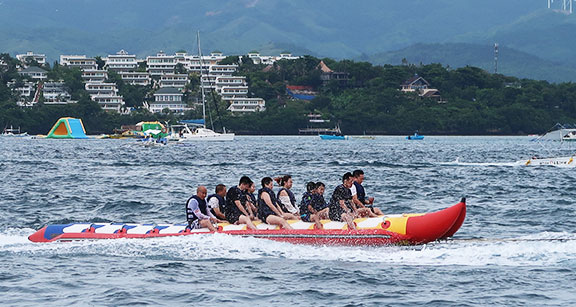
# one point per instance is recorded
(543, 249)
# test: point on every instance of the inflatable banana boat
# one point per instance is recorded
(401, 229)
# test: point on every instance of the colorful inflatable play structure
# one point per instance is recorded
(67, 128)
(402, 229)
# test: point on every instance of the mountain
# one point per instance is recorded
(324, 28)
(511, 62)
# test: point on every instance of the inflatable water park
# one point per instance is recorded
(400, 229)
(67, 128)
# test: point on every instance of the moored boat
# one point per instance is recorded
(404, 229)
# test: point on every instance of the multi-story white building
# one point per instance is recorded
(106, 95)
(174, 80)
(78, 61)
(136, 77)
(222, 70)
(121, 61)
(25, 90)
(31, 56)
(34, 72)
(168, 98)
(246, 104)
(94, 75)
(267, 60)
(56, 93)
(161, 64)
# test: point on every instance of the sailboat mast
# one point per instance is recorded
(202, 81)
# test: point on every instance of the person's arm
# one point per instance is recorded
(343, 205)
(311, 209)
(356, 201)
(193, 205)
(240, 207)
(269, 203)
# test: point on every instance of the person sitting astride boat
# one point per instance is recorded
(341, 206)
(318, 202)
(285, 197)
(359, 194)
(269, 210)
(196, 211)
(307, 212)
(217, 202)
(236, 213)
(251, 200)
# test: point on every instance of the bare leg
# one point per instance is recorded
(314, 218)
(207, 224)
(378, 211)
(246, 220)
(349, 220)
(364, 212)
(276, 220)
(289, 216)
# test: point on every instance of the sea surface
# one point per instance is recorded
(516, 247)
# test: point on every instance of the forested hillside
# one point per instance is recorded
(472, 101)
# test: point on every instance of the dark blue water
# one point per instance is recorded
(516, 247)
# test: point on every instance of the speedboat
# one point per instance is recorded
(416, 136)
(333, 137)
(399, 229)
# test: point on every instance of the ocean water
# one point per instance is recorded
(516, 247)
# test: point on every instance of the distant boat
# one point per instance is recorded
(201, 133)
(337, 135)
(333, 137)
(416, 136)
(559, 133)
(13, 132)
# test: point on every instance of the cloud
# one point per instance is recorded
(213, 13)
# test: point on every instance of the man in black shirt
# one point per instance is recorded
(236, 213)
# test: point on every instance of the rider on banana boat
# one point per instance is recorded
(251, 200)
(341, 206)
(236, 212)
(197, 213)
(359, 194)
(269, 210)
(285, 197)
(217, 202)
(307, 212)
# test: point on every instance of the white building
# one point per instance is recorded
(168, 98)
(31, 56)
(94, 75)
(222, 70)
(161, 64)
(25, 90)
(257, 58)
(121, 61)
(246, 105)
(78, 61)
(106, 95)
(174, 80)
(56, 93)
(34, 72)
(135, 77)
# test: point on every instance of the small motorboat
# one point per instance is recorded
(415, 136)
(400, 229)
(333, 137)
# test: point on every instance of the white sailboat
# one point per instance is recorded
(201, 133)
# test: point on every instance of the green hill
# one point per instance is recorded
(511, 62)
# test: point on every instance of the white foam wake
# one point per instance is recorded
(545, 249)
